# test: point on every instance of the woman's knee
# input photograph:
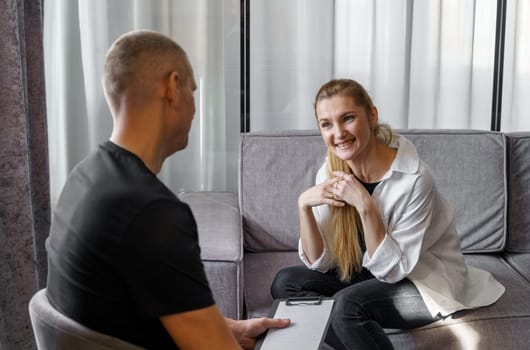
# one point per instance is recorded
(285, 282)
(353, 324)
(350, 303)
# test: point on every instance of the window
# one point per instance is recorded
(77, 36)
(427, 64)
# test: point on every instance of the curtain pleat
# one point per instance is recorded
(77, 35)
(426, 64)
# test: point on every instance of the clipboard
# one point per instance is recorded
(309, 324)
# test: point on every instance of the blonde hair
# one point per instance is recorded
(345, 221)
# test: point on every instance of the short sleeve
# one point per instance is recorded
(160, 261)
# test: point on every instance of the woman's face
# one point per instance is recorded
(345, 127)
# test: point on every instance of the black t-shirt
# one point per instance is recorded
(123, 250)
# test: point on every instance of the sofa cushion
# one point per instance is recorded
(469, 168)
(520, 263)
(492, 334)
(519, 192)
(513, 303)
(503, 325)
(469, 329)
(274, 170)
(260, 269)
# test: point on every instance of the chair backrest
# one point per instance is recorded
(53, 330)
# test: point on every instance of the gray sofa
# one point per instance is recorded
(247, 237)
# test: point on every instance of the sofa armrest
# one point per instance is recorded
(219, 224)
(219, 230)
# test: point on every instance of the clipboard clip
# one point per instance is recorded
(303, 301)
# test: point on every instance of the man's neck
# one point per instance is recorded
(140, 139)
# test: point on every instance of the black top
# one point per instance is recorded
(370, 186)
(123, 250)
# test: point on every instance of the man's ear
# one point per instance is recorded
(171, 87)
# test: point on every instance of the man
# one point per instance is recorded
(123, 252)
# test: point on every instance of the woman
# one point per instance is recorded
(375, 233)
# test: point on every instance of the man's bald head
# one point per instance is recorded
(137, 61)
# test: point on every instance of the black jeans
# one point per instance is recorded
(363, 306)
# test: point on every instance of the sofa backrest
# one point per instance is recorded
(519, 192)
(274, 170)
(469, 168)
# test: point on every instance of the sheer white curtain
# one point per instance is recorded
(291, 55)
(516, 86)
(427, 64)
(77, 36)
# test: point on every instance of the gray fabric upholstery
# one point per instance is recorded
(520, 262)
(503, 325)
(55, 331)
(216, 212)
(509, 333)
(225, 280)
(469, 168)
(274, 170)
(485, 175)
(470, 171)
(519, 192)
(511, 305)
(476, 329)
(219, 229)
(260, 269)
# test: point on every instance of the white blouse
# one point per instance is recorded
(418, 245)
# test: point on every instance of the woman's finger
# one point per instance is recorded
(339, 174)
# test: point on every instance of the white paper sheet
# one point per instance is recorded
(308, 324)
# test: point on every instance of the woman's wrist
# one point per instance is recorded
(302, 205)
(367, 207)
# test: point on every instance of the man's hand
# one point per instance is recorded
(246, 331)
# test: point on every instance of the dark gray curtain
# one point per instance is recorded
(24, 183)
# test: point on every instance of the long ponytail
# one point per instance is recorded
(346, 227)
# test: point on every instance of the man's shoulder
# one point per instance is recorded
(111, 170)
(107, 188)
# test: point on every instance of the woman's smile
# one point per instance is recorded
(344, 125)
(344, 145)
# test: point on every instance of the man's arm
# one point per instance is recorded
(200, 329)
